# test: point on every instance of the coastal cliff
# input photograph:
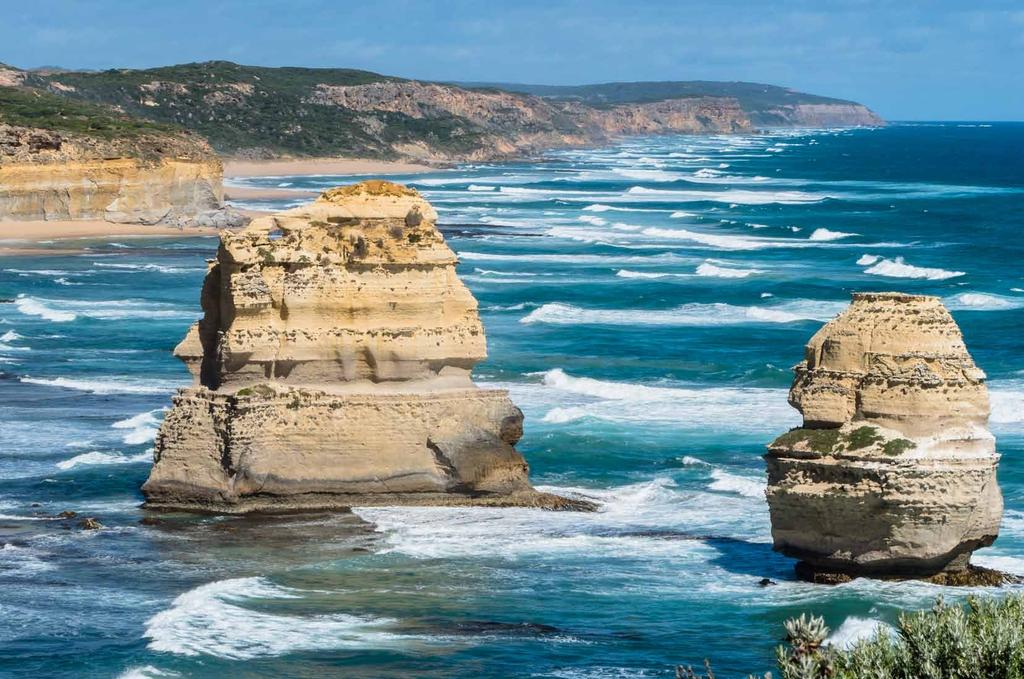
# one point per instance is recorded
(332, 368)
(259, 112)
(893, 472)
(514, 124)
(65, 161)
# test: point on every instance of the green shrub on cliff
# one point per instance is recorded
(982, 639)
(36, 109)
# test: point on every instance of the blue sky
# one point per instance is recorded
(906, 59)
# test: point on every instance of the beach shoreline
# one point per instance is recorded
(19, 238)
(294, 167)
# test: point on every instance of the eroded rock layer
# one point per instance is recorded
(48, 175)
(894, 470)
(332, 368)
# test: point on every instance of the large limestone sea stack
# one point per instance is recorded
(893, 473)
(332, 369)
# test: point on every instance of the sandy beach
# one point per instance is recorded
(314, 166)
(16, 238)
(248, 193)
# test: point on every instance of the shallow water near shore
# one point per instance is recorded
(644, 304)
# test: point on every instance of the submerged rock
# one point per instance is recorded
(893, 472)
(332, 368)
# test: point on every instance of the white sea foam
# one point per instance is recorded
(33, 307)
(567, 258)
(146, 672)
(212, 620)
(104, 386)
(508, 307)
(648, 175)
(722, 241)
(595, 221)
(867, 260)
(10, 336)
(856, 629)
(570, 399)
(690, 461)
(1007, 403)
(481, 187)
(897, 268)
(615, 531)
(97, 457)
(144, 267)
(686, 315)
(738, 196)
(598, 207)
(63, 310)
(680, 214)
(827, 235)
(715, 271)
(741, 485)
(21, 561)
(626, 273)
(142, 427)
(980, 301)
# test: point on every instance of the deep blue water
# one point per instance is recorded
(644, 303)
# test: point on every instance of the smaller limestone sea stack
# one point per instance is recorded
(893, 473)
(332, 369)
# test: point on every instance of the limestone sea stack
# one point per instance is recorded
(893, 473)
(332, 369)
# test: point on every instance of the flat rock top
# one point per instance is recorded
(370, 199)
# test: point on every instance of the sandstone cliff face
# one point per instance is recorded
(332, 368)
(47, 175)
(817, 115)
(515, 123)
(894, 469)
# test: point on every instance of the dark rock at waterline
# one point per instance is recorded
(971, 576)
(6, 300)
(475, 627)
(150, 521)
(67, 514)
(89, 523)
(767, 582)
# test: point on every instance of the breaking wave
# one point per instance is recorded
(213, 620)
(62, 311)
(100, 458)
(715, 271)
(897, 268)
(141, 428)
(741, 485)
(980, 301)
(827, 235)
(106, 386)
(694, 314)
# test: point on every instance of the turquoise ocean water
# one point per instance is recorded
(644, 304)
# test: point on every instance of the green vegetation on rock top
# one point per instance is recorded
(818, 440)
(257, 110)
(36, 109)
(862, 437)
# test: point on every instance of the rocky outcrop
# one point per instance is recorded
(52, 175)
(816, 115)
(893, 472)
(332, 368)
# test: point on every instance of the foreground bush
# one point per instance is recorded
(983, 639)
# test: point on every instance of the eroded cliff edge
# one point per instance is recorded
(332, 369)
(63, 160)
(893, 472)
